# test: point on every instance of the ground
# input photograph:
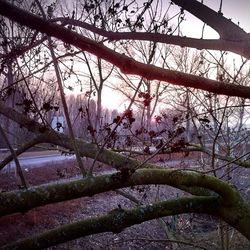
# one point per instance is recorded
(199, 230)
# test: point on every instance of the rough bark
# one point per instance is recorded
(126, 64)
(23, 200)
(233, 209)
(117, 220)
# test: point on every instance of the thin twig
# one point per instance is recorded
(65, 107)
(18, 166)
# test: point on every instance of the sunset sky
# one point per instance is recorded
(238, 11)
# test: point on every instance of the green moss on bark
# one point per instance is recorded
(116, 220)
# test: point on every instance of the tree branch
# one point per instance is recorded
(126, 64)
(20, 150)
(23, 200)
(117, 220)
(18, 166)
(240, 46)
(242, 163)
(225, 27)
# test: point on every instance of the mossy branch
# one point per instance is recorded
(23, 200)
(116, 220)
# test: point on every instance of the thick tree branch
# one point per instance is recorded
(126, 64)
(113, 159)
(117, 220)
(23, 200)
(225, 27)
(116, 160)
(239, 46)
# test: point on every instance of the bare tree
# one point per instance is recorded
(209, 194)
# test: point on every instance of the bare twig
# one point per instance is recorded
(18, 166)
